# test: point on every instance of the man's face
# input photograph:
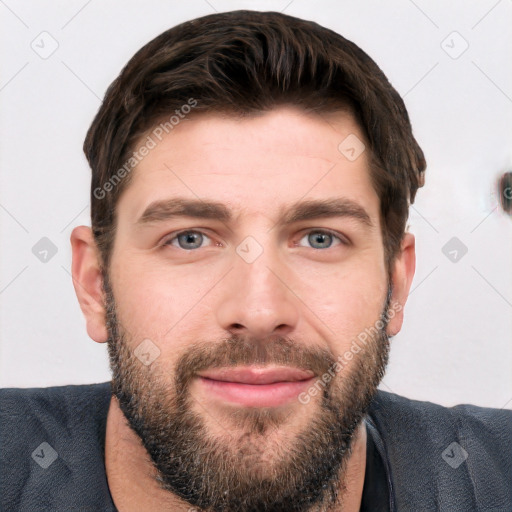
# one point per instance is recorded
(241, 313)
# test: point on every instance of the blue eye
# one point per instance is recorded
(319, 239)
(192, 240)
(187, 240)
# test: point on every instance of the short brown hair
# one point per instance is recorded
(242, 62)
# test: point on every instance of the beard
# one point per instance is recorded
(252, 462)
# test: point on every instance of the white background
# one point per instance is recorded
(456, 343)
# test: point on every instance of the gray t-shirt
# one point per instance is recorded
(420, 456)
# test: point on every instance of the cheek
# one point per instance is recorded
(158, 305)
(346, 301)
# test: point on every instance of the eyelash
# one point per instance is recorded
(343, 240)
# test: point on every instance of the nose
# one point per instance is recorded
(257, 298)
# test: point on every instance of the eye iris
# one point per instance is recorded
(195, 239)
(322, 239)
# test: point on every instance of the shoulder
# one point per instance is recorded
(53, 438)
(485, 421)
(43, 408)
(422, 408)
(483, 431)
(77, 393)
(445, 458)
(28, 414)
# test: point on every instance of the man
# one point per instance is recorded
(248, 263)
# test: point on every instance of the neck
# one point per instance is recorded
(132, 477)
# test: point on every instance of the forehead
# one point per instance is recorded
(255, 163)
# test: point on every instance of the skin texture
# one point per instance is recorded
(207, 306)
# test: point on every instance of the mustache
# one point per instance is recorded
(241, 350)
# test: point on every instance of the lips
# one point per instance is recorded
(255, 386)
(256, 375)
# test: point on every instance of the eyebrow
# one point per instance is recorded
(163, 210)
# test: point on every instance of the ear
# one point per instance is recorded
(88, 281)
(402, 275)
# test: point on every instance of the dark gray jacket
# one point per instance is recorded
(437, 458)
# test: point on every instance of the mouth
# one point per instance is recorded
(252, 386)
